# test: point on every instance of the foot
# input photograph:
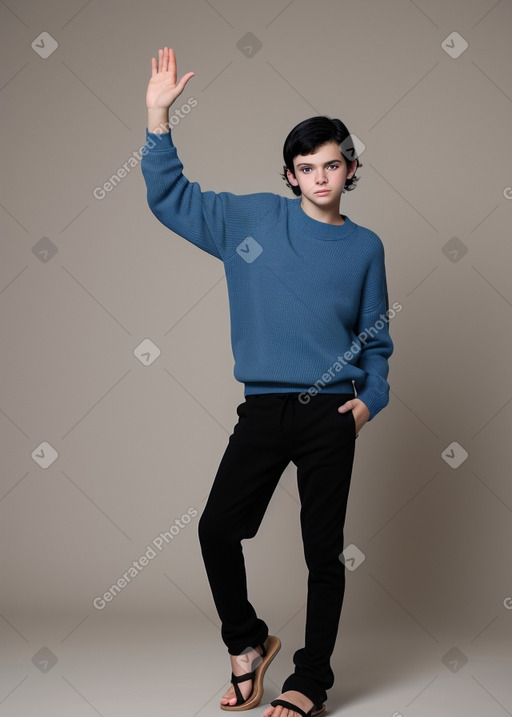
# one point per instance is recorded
(296, 698)
(239, 666)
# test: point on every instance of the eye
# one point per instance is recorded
(334, 166)
(305, 170)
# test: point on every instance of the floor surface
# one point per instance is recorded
(157, 667)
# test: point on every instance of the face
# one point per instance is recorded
(321, 176)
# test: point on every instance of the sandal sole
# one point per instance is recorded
(321, 711)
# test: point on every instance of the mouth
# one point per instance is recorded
(323, 192)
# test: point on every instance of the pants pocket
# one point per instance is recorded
(348, 416)
(352, 418)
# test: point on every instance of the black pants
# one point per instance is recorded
(273, 429)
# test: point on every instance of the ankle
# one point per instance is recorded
(246, 661)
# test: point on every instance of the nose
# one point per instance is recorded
(321, 177)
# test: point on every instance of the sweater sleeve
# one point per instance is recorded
(215, 222)
(373, 332)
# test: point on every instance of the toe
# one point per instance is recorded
(228, 698)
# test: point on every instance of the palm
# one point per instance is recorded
(162, 90)
(163, 87)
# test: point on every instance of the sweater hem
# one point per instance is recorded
(342, 387)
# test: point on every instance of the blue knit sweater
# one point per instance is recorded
(308, 300)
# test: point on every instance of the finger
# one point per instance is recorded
(171, 64)
(160, 59)
(184, 80)
(345, 407)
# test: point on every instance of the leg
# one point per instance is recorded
(246, 479)
(324, 453)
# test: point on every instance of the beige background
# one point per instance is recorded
(83, 281)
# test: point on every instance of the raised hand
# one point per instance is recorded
(163, 87)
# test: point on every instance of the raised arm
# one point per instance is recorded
(215, 222)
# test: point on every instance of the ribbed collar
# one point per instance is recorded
(319, 230)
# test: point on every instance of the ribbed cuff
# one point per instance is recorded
(373, 399)
(158, 142)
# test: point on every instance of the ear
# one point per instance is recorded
(291, 178)
(352, 167)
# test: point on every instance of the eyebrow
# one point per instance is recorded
(307, 164)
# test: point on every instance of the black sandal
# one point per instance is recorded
(268, 654)
(315, 711)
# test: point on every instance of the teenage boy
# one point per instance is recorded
(308, 306)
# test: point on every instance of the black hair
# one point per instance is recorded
(309, 135)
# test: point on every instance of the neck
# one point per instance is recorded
(327, 215)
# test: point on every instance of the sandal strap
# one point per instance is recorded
(291, 706)
(235, 679)
(242, 678)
